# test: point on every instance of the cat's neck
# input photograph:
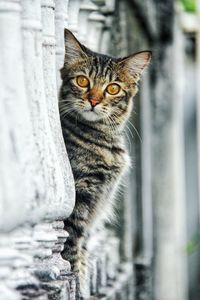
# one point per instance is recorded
(101, 128)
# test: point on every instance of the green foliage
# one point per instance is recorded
(189, 5)
(193, 245)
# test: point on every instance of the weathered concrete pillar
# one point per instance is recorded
(37, 186)
(86, 7)
(20, 183)
(96, 22)
(57, 175)
(16, 134)
(168, 178)
(73, 8)
(61, 21)
(198, 90)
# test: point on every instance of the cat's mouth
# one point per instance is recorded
(93, 109)
(91, 114)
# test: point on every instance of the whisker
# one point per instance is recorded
(128, 139)
(136, 131)
(67, 112)
(129, 130)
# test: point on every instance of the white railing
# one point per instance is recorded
(37, 189)
(36, 182)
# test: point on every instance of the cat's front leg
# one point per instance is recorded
(75, 250)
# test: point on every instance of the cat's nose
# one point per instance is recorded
(93, 102)
(94, 97)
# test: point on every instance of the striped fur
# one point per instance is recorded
(94, 136)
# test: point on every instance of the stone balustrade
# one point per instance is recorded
(36, 183)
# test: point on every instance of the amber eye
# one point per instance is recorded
(113, 89)
(82, 81)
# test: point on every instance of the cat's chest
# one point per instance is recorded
(116, 157)
(91, 155)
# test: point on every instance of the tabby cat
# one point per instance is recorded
(96, 99)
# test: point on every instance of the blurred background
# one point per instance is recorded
(152, 251)
(163, 185)
(164, 179)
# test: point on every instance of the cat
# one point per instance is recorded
(96, 99)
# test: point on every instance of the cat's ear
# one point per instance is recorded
(74, 50)
(136, 63)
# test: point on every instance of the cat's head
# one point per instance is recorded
(99, 87)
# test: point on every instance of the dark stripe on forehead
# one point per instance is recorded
(96, 66)
(107, 70)
(106, 66)
(84, 71)
(91, 70)
(102, 66)
(110, 76)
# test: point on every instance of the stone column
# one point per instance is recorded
(96, 21)
(61, 21)
(168, 165)
(59, 180)
(73, 9)
(17, 173)
(20, 183)
(37, 187)
(107, 10)
(86, 8)
(198, 90)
